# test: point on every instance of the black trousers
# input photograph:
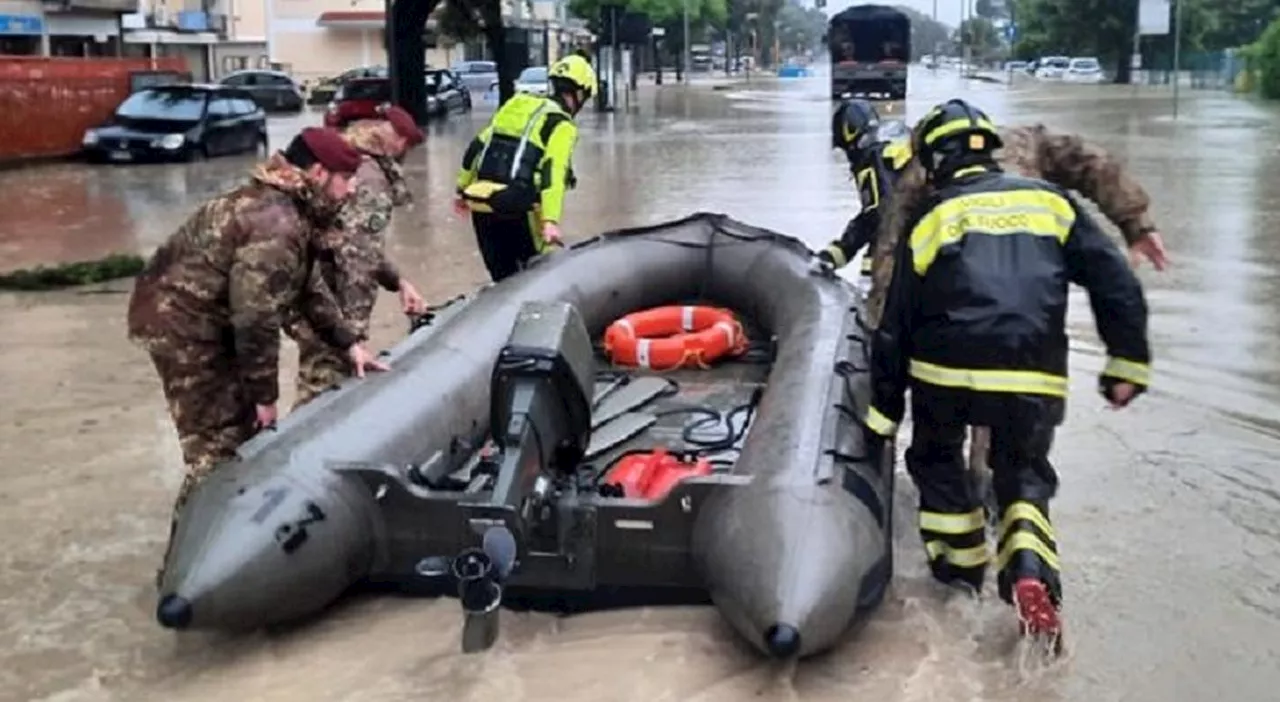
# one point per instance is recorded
(507, 242)
(952, 518)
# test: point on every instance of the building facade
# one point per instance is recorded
(62, 27)
(310, 39)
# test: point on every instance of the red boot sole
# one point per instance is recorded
(1039, 617)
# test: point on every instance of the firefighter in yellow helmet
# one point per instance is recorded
(877, 152)
(974, 323)
(515, 172)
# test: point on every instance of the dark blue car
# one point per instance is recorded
(179, 122)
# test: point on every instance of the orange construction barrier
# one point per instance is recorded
(666, 338)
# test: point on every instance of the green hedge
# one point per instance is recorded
(70, 275)
(1264, 55)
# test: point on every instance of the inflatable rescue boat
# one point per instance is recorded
(663, 410)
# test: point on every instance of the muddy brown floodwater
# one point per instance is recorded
(1169, 513)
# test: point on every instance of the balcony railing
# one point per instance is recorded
(189, 21)
(121, 6)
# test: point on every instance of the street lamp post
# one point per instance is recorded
(685, 34)
(271, 31)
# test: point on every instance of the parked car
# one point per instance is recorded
(179, 122)
(1052, 67)
(272, 90)
(476, 75)
(1016, 66)
(445, 92)
(357, 99)
(1083, 70)
(322, 91)
(533, 80)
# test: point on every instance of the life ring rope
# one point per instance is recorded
(676, 336)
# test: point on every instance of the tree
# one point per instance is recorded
(990, 9)
(801, 28)
(1240, 22)
(668, 14)
(467, 19)
(980, 36)
(927, 35)
(1103, 28)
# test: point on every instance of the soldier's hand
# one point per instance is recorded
(362, 358)
(410, 299)
(266, 416)
(1150, 247)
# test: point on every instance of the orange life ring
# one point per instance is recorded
(679, 336)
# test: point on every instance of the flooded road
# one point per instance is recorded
(1169, 514)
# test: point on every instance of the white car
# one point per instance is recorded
(1083, 70)
(533, 80)
(1052, 67)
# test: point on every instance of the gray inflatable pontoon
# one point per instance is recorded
(384, 481)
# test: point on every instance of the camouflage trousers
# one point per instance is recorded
(202, 387)
(320, 366)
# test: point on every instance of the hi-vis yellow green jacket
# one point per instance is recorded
(978, 299)
(521, 160)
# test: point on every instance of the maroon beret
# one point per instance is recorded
(404, 124)
(330, 149)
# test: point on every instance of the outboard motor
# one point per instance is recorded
(540, 398)
(540, 417)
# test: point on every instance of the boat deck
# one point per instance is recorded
(707, 411)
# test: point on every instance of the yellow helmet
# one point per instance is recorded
(575, 70)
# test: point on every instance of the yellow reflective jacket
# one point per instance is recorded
(521, 160)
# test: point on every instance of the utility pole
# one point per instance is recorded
(685, 34)
(1177, 52)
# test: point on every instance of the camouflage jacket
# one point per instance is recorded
(360, 263)
(380, 189)
(233, 271)
(1065, 160)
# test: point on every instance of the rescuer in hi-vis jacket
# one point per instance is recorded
(515, 172)
(974, 324)
(877, 153)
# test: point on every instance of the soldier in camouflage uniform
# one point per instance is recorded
(1066, 160)
(360, 263)
(208, 307)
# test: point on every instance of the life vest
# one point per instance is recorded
(512, 168)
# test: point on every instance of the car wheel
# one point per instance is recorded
(197, 153)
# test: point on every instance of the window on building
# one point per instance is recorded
(231, 64)
(19, 46)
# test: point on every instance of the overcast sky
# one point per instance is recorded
(948, 10)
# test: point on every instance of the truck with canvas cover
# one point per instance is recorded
(870, 48)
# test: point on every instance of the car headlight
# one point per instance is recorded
(90, 137)
(170, 141)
